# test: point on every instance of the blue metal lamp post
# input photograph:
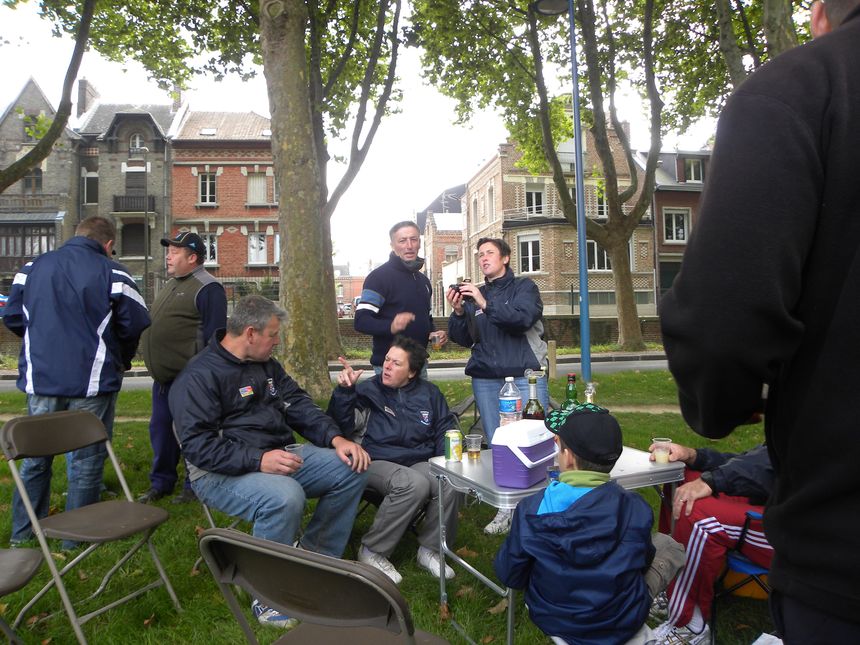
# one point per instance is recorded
(555, 8)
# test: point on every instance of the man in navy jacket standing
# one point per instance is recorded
(81, 316)
(396, 297)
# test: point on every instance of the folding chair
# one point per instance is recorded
(337, 601)
(17, 568)
(739, 563)
(52, 434)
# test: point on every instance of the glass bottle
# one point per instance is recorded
(571, 399)
(533, 409)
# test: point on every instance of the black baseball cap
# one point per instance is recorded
(188, 240)
(589, 431)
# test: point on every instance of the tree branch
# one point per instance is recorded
(347, 51)
(42, 149)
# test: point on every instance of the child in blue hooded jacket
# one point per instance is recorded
(581, 548)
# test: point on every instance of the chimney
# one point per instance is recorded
(87, 95)
(177, 97)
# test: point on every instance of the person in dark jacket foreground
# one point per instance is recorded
(768, 294)
(404, 419)
(235, 410)
(709, 512)
(581, 547)
(80, 316)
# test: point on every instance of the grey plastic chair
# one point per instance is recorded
(56, 433)
(17, 568)
(337, 601)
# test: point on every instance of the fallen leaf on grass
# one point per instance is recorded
(466, 552)
(3, 607)
(444, 612)
(499, 607)
(194, 571)
(82, 575)
(462, 591)
(198, 530)
(46, 641)
(148, 621)
(488, 639)
(59, 556)
(35, 618)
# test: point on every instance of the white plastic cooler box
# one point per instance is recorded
(521, 453)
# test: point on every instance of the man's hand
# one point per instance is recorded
(351, 454)
(280, 462)
(677, 452)
(441, 336)
(687, 495)
(348, 377)
(400, 321)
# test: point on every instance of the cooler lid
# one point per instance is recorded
(523, 433)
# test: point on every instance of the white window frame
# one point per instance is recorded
(529, 261)
(491, 203)
(670, 225)
(535, 195)
(601, 262)
(208, 195)
(257, 189)
(87, 177)
(474, 213)
(694, 170)
(276, 248)
(257, 248)
(602, 206)
(210, 242)
(136, 140)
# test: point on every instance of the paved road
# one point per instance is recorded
(436, 374)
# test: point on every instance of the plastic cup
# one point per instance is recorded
(473, 446)
(436, 341)
(661, 449)
(295, 448)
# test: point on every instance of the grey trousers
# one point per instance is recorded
(407, 489)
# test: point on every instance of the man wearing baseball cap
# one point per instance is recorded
(581, 547)
(187, 311)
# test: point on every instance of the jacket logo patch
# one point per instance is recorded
(389, 411)
(246, 391)
(271, 383)
(425, 417)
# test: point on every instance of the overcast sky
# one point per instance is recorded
(415, 156)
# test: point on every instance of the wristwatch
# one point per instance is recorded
(708, 478)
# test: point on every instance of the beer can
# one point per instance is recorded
(453, 445)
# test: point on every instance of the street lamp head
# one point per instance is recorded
(551, 7)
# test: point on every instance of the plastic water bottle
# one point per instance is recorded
(510, 403)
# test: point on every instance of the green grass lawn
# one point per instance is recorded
(206, 619)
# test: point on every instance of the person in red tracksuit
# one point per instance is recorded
(709, 511)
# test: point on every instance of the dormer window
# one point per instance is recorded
(135, 141)
(693, 171)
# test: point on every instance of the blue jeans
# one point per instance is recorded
(276, 503)
(486, 391)
(165, 449)
(84, 467)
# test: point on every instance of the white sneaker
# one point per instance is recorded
(501, 522)
(379, 561)
(271, 617)
(431, 561)
(668, 634)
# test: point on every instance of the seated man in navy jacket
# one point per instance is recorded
(235, 408)
(404, 419)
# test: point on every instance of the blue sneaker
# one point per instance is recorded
(271, 618)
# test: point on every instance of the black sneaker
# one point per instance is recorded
(186, 496)
(152, 495)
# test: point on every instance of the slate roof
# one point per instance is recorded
(448, 201)
(100, 117)
(224, 126)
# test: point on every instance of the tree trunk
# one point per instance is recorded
(729, 48)
(330, 327)
(629, 329)
(778, 26)
(282, 29)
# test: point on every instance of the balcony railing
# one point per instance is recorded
(133, 203)
(546, 212)
(33, 203)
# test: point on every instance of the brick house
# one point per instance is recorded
(41, 210)
(679, 181)
(443, 247)
(502, 200)
(123, 166)
(224, 190)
